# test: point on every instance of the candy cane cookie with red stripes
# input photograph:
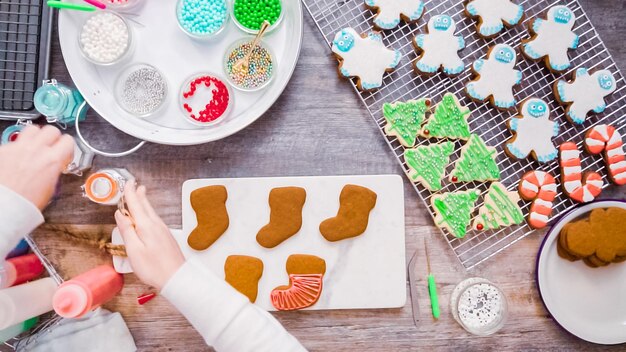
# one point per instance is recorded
(540, 188)
(605, 138)
(581, 187)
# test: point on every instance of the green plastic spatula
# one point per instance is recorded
(432, 287)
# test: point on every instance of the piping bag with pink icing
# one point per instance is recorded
(87, 291)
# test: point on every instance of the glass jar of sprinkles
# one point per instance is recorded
(205, 99)
(261, 65)
(106, 186)
(249, 15)
(141, 90)
(202, 19)
(105, 38)
(479, 306)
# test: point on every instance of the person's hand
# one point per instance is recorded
(31, 165)
(150, 246)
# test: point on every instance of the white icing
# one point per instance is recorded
(596, 183)
(540, 217)
(368, 58)
(571, 186)
(549, 187)
(615, 138)
(603, 130)
(584, 93)
(492, 13)
(534, 134)
(552, 39)
(389, 11)
(594, 142)
(543, 203)
(620, 176)
(572, 169)
(618, 165)
(569, 154)
(540, 176)
(587, 196)
(528, 186)
(440, 48)
(614, 152)
(496, 78)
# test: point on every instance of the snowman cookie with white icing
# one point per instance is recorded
(439, 48)
(364, 57)
(552, 38)
(493, 15)
(533, 132)
(496, 76)
(390, 12)
(585, 93)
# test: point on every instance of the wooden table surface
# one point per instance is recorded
(317, 127)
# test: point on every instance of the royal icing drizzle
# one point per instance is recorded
(499, 209)
(449, 120)
(493, 14)
(404, 119)
(477, 162)
(440, 47)
(454, 210)
(366, 58)
(585, 93)
(496, 77)
(533, 132)
(540, 188)
(428, 163)
(605, 138)
(553, 37)
(579, 187)
(391, 11)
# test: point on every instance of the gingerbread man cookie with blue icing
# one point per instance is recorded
(390, 12)
(533, 132)
(495, 77)
(364, 57)
(493, 15)
(585, 93)
(439, 48)
(552, 38)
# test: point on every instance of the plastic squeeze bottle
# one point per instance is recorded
(18, 270)
(26, 301)
(87, 291)
(17, 329)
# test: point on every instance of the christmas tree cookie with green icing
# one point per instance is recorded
(449, 120)
(454, 210)
(477, 162)
(404, 119)
(427, 164)
(499, 209)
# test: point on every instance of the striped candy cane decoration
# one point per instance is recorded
(604, 138)
(581, 187)
(540, 188)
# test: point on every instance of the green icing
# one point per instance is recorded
(455, 210)
(477, 162)
(405, 119)
(428, 163)
(449, 120)
(499, 209)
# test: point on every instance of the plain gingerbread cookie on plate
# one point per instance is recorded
(439, 48)
(364, 57)
(493, 15)
(390, 12)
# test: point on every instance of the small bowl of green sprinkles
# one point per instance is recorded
(249, 15)
(202, 19)
(260, 70)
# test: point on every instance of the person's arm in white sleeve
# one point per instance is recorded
(29, 170)
(225, 318)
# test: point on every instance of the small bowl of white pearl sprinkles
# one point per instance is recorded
(105, 38)
(141, 90)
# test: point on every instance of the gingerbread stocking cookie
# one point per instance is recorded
(364, 57)
(533, 131)
(389, 12)
(439, 48)
(493, 15)
(585, 93)
(496, 76)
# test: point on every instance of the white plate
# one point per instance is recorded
(367, 271)
(588, 302)
(159, 42)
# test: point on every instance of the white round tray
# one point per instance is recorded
(159, 41)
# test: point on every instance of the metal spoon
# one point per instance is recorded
(243, 63)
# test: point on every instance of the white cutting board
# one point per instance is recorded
(367, 271)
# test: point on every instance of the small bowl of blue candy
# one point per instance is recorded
(202, 19)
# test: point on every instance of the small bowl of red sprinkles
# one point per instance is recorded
(205, 99)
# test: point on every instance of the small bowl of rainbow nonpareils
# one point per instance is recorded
(202, 19)
(259, 70)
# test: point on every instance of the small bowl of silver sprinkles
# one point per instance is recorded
(141, 90)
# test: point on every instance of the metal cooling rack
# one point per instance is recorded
(403, 84)
(25, 27)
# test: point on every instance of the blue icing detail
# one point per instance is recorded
(489, 31)
(606, 81)
(575, 118)
(505, 55)
(425, 68)
(471, 9)
(600, 108)
(375, 36)
(547, 157)
(454, 70)
(581, 72)
(461, 42)
(396, 59)
(513, 124)
(536, 108)
(560, 87)
(515, 152)
(530, 51)
(518, 16)
(575, 42)
(505, 104)
(472, 92)
(555, 129)
(345, 72)
(418, 12)
(478, 65)
(419, 40)
(557, 67)
(370, 3)
(518, 77)
(368, 86)
(562, 14)
(344, 41)
(386, 25)
(442, 22)
(537, 23)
